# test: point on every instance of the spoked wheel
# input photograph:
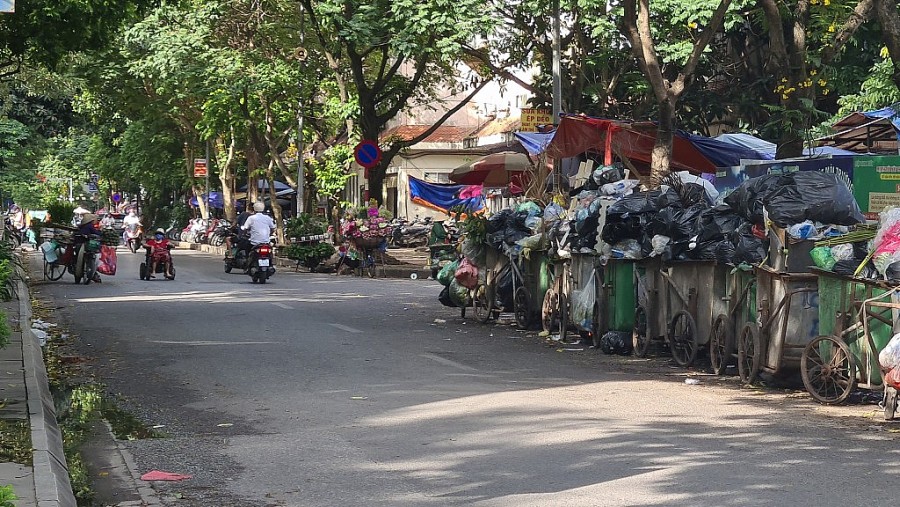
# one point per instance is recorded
(721, 344)
(890, 402)
(54, 270)
(483, 301)
(549, 310)
(90, 269)
(683, 338)
(749, 353)
(639, 338)
(828, 369)
(522, 307)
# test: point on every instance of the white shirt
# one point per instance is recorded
(260, 226)
(128, 220)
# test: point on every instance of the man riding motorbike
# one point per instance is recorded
(260, 225)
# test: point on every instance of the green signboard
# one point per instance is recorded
(876, 184)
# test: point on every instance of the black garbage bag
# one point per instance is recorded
(704, 251)
(616, 342)
(892, 273)
(693, 194)
(677, 223)
(632, 227)
(718, 223)
(747, 247)
(848, 268)
(497, 221)
(666, 199)
(747, 199)
(860, 250)
(725, 252)
(812, 195)
(505, 288)
(444, 298)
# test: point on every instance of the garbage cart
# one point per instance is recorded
(857, 319)
(787, 319)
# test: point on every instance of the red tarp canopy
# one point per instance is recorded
(634, 141)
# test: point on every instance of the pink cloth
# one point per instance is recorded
(157, 475)
(471, 191)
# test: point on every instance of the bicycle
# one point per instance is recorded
(54, 267)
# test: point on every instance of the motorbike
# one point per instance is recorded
(133, 236)
(412, 234)
(259, 263)
(218, 232)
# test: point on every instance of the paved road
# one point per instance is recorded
(316, 391)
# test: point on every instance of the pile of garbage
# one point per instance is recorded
(686, 220)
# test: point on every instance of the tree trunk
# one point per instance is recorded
(225, 162)
(889, 19)
(661, 157)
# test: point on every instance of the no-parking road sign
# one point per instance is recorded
(367, 154)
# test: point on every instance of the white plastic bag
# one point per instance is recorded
(889, 358)
(583, 301)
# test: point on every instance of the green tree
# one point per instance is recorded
(397, 54)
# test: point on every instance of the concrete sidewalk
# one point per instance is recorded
(27, 394)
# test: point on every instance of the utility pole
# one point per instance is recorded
(557, 66)
(301, 54)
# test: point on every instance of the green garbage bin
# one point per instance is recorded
(620, 296)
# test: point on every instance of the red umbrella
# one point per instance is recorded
(495, 170)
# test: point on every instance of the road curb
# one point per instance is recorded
(51, 474)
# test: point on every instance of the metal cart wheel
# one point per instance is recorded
(890, 402)
(522, 307)
(549, 310)
(828, 369)
(483, 303)
(683, 338)
(639, 338)
(749, 353)
(721, 344)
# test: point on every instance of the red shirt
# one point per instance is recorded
(161, 245)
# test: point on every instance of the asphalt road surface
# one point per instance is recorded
(317, 390)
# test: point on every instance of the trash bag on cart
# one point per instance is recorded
(889, 357)
(444, 297)
(617, 342)
(466, 274)
(747, 199)
(747, 246)
(446, 274)
(583, 305)
(505, 288)
(718, 223)
(459, 295)
(812, 195)
(893, 378)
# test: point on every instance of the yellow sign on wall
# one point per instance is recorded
(531, 118)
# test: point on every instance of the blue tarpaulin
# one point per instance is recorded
(534, 142)
(442, 197)
(767, 148)
(887, 113)
(215, 200)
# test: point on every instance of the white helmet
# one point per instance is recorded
(259, 207)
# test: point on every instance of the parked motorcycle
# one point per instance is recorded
(260, 263)
(133, 236)
(220, 230)
(412, 234)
